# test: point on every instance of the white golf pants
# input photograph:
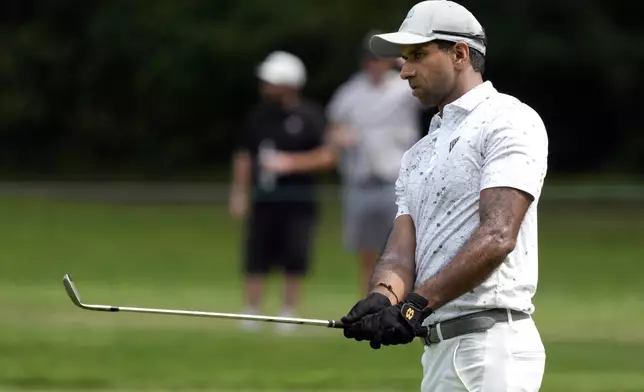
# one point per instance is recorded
(509, 357)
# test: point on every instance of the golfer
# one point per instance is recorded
(462, 255)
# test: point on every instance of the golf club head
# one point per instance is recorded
(71, 291)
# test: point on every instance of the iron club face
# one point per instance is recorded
(71, 291)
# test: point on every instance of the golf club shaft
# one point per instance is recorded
(231, 316)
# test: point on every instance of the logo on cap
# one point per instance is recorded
(410, 13)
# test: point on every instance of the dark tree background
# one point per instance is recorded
(157, 89)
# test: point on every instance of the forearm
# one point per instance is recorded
(319, 159)
(241, 172)
(395, 271)
(397, 264)
(471, 266)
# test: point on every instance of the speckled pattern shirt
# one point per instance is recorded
(484, 139)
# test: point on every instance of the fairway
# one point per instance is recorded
(590, 303)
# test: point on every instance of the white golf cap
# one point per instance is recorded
(282, 68)
(429, 21)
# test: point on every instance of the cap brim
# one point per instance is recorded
(391, 44)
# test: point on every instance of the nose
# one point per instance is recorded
(407, 71)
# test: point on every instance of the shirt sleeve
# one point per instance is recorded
(401, 187)
(337, 109)
(515, 152)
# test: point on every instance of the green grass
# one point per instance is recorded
(590, 305)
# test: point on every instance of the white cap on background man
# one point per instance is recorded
(429, 21)
(284, 69)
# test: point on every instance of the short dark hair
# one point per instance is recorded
(476, 58)
(478, 61)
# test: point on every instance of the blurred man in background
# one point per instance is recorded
(374, 119)
(273, 181)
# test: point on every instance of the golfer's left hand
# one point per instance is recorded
(397, 324)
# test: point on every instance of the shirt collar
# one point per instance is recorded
(466, 103)
(472, 98)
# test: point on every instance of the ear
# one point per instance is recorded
(461, 54)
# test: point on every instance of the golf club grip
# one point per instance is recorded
(422, 332)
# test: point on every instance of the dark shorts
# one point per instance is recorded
(279, 237)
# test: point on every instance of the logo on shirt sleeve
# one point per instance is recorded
(453, 143)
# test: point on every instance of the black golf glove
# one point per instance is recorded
(374, 303)
(397, 324)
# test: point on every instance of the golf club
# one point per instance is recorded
(72, 291)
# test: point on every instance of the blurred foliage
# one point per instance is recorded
(159, 88)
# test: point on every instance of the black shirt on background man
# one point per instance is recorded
(270, 126)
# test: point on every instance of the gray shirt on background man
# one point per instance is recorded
(382, 120)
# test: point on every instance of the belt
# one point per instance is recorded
(470, 323)
(374, 182)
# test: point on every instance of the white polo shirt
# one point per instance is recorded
(384, 119)
(484, 139)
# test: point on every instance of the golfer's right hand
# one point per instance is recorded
(374, 303)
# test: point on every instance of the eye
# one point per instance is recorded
(414, 55)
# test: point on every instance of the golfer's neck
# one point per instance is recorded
(466, 83)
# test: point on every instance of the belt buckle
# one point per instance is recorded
(427, 338)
